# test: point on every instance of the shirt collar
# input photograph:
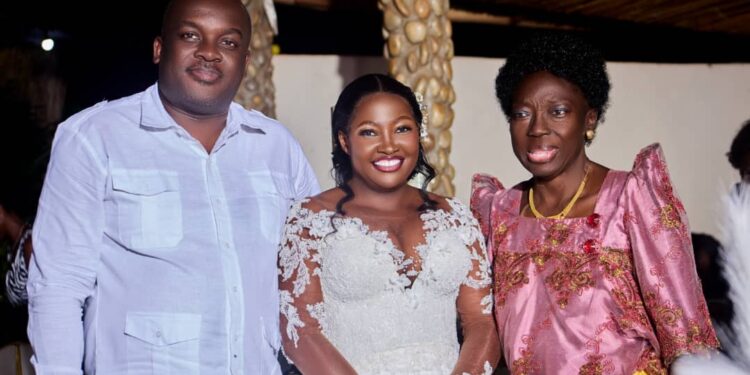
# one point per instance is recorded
(155, 116)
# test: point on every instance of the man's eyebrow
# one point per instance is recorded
(227, 31)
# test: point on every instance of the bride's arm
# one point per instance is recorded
(302, 305)
(480, 351)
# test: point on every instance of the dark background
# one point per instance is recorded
(103, 48)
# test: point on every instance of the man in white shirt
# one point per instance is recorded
(156, 235)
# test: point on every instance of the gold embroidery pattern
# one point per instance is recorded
(598, 363)
(618, 268)
(676, 340)
(650, 364)
(558, 234)
(524, 365)
(671, 214)
(501, 232)
(509, 274)
(596, 366)
(571, 276)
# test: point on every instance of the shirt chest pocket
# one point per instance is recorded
(272, 194)
(149, 208)
(163, 343)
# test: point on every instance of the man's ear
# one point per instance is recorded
(157, 50)
(247, 61)
(343, 142)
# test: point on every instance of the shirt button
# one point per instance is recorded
(157, 333)
(226, 245)
(234, 289)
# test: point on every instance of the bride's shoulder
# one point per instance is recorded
(323, 202)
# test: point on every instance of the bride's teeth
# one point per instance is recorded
(388, 162)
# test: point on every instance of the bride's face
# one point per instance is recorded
(382, 142)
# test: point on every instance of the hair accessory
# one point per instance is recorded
(590, 135)
(422, 108)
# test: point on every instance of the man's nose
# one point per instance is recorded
(207, 51)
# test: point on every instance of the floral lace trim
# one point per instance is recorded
(486, 370)
(317, 312)
(290, 313)
(297, 250)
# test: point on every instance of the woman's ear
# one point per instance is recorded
(343, 142)
(592, 119)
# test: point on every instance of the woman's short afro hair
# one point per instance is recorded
(563, 55)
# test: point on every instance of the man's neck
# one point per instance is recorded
(205, 128)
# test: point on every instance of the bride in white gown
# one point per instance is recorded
(374, 273)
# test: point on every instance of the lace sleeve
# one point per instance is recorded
(302, 303)
(480, 351)
(656, 223)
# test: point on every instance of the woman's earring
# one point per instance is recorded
(590, 135)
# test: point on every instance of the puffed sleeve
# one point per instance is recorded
(657, 227)
(484, 188)
(302, 303)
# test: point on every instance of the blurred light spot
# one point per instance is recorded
(48, 44)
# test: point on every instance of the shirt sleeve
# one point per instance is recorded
(67, 233)
(306, 184)
(656, 223)
(302, 307)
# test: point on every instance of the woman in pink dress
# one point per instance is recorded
(593, 268)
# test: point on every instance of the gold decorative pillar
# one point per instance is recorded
(257, 90)
(420, 49)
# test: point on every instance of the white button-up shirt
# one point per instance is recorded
(153, 256)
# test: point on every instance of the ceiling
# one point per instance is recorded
(689, 31)
(716, 16)
(720, 16)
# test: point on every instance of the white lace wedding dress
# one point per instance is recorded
(350, 282)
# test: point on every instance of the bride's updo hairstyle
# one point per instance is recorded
(341, 117)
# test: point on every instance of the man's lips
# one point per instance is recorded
(205, 74)
(391, 164)
(542, 154)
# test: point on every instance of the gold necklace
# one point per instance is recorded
(567, 208)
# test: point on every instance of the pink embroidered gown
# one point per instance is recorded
(612, 293)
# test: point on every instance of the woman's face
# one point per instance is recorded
(548, 122)
(382, 142)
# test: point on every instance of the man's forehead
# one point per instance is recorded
(179, 12)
